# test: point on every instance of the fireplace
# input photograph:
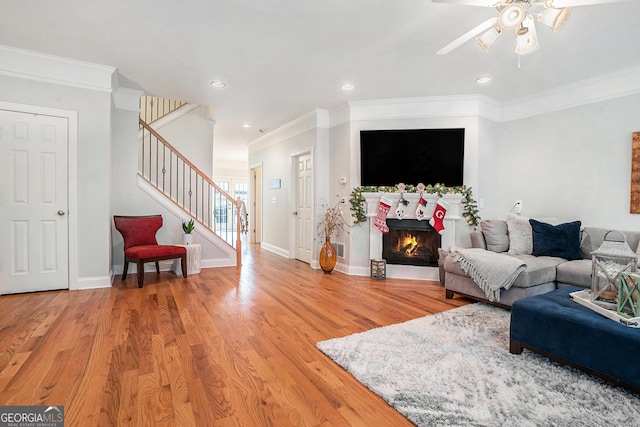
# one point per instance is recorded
(411, 242)
(425, 271)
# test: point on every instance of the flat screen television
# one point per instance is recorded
(430, 156)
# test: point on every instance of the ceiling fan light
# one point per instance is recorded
(487, 39)
(554, 18)
(511, 16)
(526, 38)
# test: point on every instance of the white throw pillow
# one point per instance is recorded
(521, 235)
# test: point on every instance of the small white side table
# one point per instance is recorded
(194, 255)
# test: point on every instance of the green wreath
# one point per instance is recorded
(469, 207)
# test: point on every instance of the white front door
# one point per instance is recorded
(34, 238)
(304, 201)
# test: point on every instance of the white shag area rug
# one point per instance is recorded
(454, 369)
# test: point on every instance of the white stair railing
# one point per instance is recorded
(153, 108)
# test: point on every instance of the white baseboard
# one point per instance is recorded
(217, 262)
(275, 249)
(357, 271)
(398, 272)
(411, 272)
(91, 283)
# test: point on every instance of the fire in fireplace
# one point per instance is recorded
(411, 242)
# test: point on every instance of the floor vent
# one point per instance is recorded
(339, 249)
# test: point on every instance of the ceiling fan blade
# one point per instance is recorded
(575, 3)
(468, 36)
(485, 3)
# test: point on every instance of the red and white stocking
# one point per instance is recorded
(380, 220)
(421, 211)
(439, 212)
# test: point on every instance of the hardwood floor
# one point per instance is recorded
(227, 347)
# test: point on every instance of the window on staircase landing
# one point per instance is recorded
(240, 189)
(221, 213)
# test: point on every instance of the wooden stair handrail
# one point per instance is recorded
(237, 203)
(184, 159)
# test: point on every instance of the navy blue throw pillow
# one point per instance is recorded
(556, 240)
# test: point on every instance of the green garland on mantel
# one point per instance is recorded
(469, 207)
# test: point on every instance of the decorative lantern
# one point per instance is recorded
(378, 269)
(607, 262)
(628, 291)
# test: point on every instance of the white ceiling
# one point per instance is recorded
(281, 59)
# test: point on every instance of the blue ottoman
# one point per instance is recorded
(555, 326)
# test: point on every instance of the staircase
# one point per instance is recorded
(153, 108)
(186, 187)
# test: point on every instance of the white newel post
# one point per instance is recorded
(452, 216)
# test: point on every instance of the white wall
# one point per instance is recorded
(487, 192)
(192, 135)
(229, 170)
(130, 199)
(276, 209)
(105, 161)
(93, 105)
(574, 164)
(276, 152)
(340, 166)
(337, 154)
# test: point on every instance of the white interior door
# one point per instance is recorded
(304, 201)
(34, 242)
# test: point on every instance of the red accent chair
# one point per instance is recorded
(141, 246)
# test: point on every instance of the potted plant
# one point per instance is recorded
(332, 221)
(188, 228)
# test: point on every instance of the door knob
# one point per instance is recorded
(295, 213)
(61, 213)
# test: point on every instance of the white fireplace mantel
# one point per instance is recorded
(453, 215)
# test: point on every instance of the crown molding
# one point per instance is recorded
(41, 67)
(312, 120)
(420, 107)
(597, 89)
(340, 115)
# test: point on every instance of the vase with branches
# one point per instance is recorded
(333, 221)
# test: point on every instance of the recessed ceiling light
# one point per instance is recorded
(246, 125)
(218, 84)
(347, 86)
(483, 80)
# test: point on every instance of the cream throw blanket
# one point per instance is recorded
(490, 270)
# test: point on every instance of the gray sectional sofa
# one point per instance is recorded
(543, 274)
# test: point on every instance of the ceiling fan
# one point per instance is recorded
(517, 15)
